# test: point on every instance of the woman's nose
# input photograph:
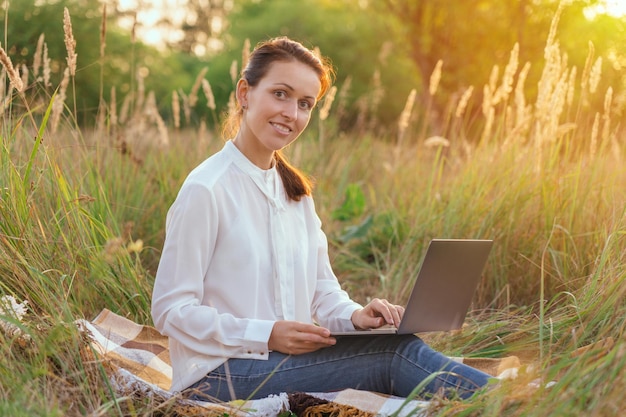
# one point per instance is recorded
(290, 110)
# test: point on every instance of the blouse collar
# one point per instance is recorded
(267, 180)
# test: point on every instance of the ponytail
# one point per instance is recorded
(296, 183)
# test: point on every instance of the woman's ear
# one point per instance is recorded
(242, 93)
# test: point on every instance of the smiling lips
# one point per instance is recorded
(282, 128)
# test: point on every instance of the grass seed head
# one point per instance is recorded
(70, 42)
(435, 78)
(14, 77)
(176, 109)
(460, 108)
(328, 102)
(38, 58)
(595, 75)
(208, 92)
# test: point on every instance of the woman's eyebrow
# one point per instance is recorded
(289, 87)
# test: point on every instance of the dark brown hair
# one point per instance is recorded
(282, 49)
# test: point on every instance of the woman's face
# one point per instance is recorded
(277, 109)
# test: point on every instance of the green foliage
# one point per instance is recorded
(353, 205)
(351, 36)
(95, 75)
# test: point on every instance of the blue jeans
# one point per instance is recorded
(387, 364)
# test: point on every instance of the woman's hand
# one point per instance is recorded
(295, 338)
(377, 313)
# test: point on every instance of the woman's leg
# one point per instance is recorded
(387, 364)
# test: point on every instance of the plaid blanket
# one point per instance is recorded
(140, 361)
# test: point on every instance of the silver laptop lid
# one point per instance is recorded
(445, 285)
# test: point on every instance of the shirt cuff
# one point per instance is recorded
(258, 333)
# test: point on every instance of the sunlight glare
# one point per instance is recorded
(149, 14)
(614, 8)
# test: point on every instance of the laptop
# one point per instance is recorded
(443, 289)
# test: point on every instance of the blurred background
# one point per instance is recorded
(382, 49)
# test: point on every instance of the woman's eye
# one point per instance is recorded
(305, 105)
(280, 94)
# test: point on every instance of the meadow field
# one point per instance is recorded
(82, 214)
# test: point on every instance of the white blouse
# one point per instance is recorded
(238, 256)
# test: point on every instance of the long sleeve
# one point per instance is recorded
(178, 311)
(238, 256)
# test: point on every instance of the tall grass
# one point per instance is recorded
(82, 215)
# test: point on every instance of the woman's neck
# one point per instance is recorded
(259, 156)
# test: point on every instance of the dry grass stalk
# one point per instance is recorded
(176, 109)
(141, 90)
(385, 51)
(193, 94)
(608, 98)
(204, 138)
(584, 81)
(493, 78)
(361, 106)
(595, 75)
(125, 110)
(153, 113)
(328, 102)
(435, 78)
(24, 75)
(208, 93)
(508, 76)
(233, 72)
(164, 141)
(2, 84)
(46, 67)
(245, 53)
(606, 116)
(437, 142)
(38, 58)
(405, 116)
(489, 90)
(554, 25)
(377, 92)
(557, 106)
(70, 42)
(232, 103)
(101, 115)
(186, 106)
(463, 102)
(487, 99)
(14, 77)
(593, 143)
(571, 87)
(488, 125)
(343, 96)
(59, 101)
(113, 108)
(522, 112)
(552, 84)
(103, 31)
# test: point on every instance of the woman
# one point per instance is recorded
(244, 289)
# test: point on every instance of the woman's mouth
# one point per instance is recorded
(281, 128)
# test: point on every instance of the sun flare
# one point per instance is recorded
(615, 8)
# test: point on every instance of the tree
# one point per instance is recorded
(474, 35)
(96, 75)
(370, 62)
